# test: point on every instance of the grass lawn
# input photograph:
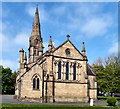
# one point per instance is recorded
(45, 106)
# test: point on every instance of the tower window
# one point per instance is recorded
(35, 83)
(59, 70)
(74, 71)
(67, 70)
(35, 53)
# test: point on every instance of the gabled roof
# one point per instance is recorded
(90, 70)
(71, 44)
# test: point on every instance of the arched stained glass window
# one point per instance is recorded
(67, 71)
(59, 70)
(74, 71)
(36, 83)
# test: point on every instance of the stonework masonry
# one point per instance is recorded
(60, 74)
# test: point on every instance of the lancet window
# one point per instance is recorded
(59, 70)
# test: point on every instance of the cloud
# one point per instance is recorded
(56, 43)
(10, 46)
(59, 10)
(12, 64)
(22, 39)
(96, 27)
(114, 48)
(5, 42)
(76, 19)
(30, 10)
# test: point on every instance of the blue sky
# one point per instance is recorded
(94, 23)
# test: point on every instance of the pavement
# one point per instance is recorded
(10, 99)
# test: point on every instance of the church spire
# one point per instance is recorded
(36, 32)
(36, 18)
(35, 41)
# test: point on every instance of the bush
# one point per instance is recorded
(111, 101)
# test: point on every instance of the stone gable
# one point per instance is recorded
(74, 53)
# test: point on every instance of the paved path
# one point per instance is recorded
(9, 99)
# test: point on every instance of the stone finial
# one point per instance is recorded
(83, 47)
(68, 36)
(50, 42)
(21, 50)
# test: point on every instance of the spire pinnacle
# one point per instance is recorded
(50, 42)
(36, 18)
(36, 9)
(83, 47)
(36, 24)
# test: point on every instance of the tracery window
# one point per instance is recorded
(35, 83)
(74, 71)
(59, 70)
(67, 71)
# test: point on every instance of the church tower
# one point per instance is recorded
(35, 40)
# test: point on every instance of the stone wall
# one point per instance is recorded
(71, 92)
(92, 87)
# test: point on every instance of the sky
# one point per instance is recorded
(95, 23)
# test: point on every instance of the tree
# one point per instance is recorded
(100, 76)
(8, 80)
(108, 75)
(112, 72)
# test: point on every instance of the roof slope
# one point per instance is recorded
(90, 70)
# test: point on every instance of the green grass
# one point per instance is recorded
(45, 106)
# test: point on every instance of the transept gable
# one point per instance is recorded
(68, 50)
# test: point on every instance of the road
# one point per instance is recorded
(10, 99)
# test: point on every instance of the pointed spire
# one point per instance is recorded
(36, 24)
(50, 45)
(36, 19)
(36, 9)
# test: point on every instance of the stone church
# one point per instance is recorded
(60, 74)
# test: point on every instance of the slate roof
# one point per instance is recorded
(90, 71)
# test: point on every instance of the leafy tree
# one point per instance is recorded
(8, 80)
(100, 76)
(112, 72)
(108, 75)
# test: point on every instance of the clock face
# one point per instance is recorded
(67, 51)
